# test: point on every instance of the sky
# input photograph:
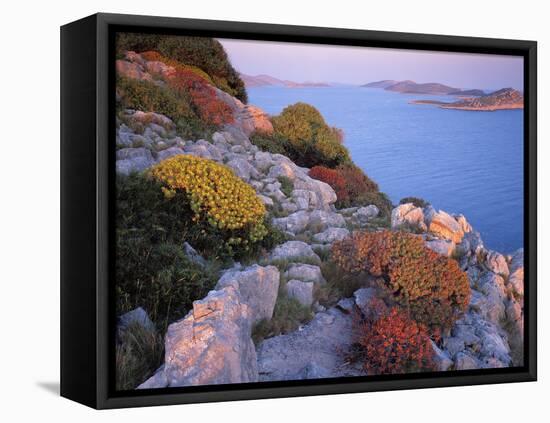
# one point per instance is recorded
(360, 65)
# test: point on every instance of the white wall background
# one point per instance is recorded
(29, 238)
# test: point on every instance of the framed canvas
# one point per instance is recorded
(257, 211)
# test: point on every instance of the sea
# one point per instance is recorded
(465, 162)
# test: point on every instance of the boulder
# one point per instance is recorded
(243, 169)
(347, 305)
(330, 235)
(464, 224)
(210, 346)
(133, 160)
(293, 251)
(445, 226)
(496, 263)
(408, 214)
(363, 298)
(193, 255)
(198, 150)
(137, 316)
(465, 361)
(441, 359)
(258, 287)
(364, 214)
(169, 152)
(287, 170)
(473, 242)
(132, 70)
(320, 220)
(305, 273)
(489, 301)
(295, 223)
(300, 291)
(515, 280)
(441, 246)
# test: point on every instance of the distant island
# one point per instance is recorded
(411, 87)
(266, 80)
(503, 99)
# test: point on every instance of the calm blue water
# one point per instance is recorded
(461, 162)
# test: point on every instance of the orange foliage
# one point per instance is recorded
(333, 178)
(393, 343)
(431, 286)
(197, 84)
(348, 182)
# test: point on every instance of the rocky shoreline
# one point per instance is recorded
(213, 343)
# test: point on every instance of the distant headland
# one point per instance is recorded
(503, 99)
(411, 87)
(267, 80)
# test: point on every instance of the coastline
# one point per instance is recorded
(444, 105)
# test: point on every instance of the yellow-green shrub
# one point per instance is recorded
(311, 141)
(216, 195)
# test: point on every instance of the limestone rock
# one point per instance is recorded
(465, 361)
(169, 152)
(305, 273)
(243, 169)
(444, 225)
(258, 287)
(365, 214)
(441, 359)
(515, 279)
(210, 346)
(295, 223)
(132, 70)
(363, 297)
(133, 160)
(441, 246)
(294, 251)
(330, 235)
(491, 303)
(300, 291)
(323, 219)
(496, 263)
(193, 255)
(408, 214)
(317, 345)
(137, 316)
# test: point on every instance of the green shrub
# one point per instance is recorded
(149, 97)
(272, 143)
(205, 53)
(418, 202)
(339, 284)
(287, 186)
(288, 315)
(310, 141)
(139, 352)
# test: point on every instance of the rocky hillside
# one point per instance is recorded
(287, 309)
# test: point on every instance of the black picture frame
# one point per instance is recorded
(87, 178)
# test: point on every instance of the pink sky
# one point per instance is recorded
(360, 65)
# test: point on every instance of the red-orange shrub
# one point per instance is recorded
(393, 343)
(432, 287)
(193, 82)
(332, 177)
(349, 182)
